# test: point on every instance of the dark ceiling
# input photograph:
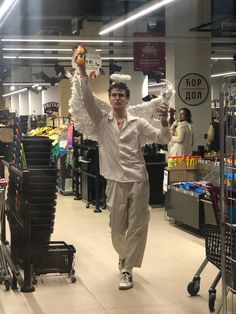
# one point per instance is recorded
(53, 17)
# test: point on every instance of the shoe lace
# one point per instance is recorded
(126, 277)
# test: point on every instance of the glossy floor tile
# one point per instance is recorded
(171, 259)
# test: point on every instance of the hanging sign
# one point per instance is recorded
(51, 106)
(149, 56)
(193, 89)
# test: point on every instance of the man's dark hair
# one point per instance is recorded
(120, 85)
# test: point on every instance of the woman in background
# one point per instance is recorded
(182, 136)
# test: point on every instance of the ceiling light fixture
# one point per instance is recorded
(56, 57)
(16, 92)
(222, 74)
(134, 15)
(221, 58)
(5, 10)
(25, 84)
(38, 49)
(117, 58)
(34, 40)
(38, 57)
(156, 84)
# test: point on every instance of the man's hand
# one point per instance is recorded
(80, 59)
(162, 112)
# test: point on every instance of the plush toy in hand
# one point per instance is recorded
(80, 55)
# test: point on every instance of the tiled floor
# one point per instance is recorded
(171, 259)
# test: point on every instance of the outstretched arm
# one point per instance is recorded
(152, 110)
(94, 112)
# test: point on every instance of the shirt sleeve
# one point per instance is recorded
(93, 110)
(154, 135)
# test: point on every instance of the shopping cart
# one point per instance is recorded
(5, 275)
(213, 248)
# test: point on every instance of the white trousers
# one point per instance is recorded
(128, 204)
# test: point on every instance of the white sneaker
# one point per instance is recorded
(121, 264)
(126, 281)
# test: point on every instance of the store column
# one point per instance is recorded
(14, 101)
(188, 62)
(35, 101)
(24, 103)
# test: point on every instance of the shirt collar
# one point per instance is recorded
(129, 116)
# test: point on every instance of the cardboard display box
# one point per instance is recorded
(182, 174)
(6, 135)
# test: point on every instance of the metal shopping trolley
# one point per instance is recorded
(212, 236)
(5, 275)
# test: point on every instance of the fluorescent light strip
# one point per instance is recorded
(63, 58)
(38, 57)
(143, 10)
(5, 10)
(222, 58)
(222, 74)
(61, 40)
(25, 84)
(16, 92)
(37, 49)
(156, 84)
(117, 58)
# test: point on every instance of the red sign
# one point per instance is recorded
(149, 56)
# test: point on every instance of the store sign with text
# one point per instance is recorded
(193, 89)
(51, 106)
(149, 56)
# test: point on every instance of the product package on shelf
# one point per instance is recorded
(182, 168)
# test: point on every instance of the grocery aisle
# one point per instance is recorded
(171, 259)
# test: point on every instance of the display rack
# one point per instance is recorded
(228, 187)
(89, 185)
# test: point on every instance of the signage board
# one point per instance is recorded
(193, 89)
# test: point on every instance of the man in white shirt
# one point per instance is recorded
(120, 138)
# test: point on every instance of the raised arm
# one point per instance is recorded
(93, 110)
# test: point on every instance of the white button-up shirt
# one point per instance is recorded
(120, 151)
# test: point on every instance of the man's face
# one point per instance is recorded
(118, 99)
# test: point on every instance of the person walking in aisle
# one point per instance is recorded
(181, 143)
(120, 135)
